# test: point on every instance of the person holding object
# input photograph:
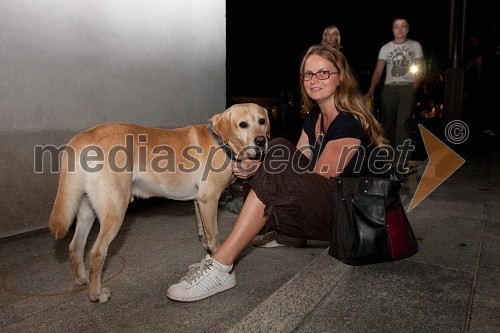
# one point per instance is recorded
(290, 192)
(405, 69)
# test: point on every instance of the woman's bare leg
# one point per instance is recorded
(250, 221)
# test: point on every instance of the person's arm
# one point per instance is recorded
(377, 74)
(246, 168)
(303, 145)
(335, 156)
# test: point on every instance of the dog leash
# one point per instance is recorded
(229, 152)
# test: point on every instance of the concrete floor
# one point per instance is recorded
(451, 285)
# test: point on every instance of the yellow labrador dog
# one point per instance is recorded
(105, 167)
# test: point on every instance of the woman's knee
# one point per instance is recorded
(280, 153)
(280, 143)
(282, 156)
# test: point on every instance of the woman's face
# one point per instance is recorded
(319, 90)
(331, 37)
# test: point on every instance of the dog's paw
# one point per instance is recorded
(103, 297)
(212, 249)
(81, 280)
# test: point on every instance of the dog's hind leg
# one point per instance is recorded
(111, 213)
(84, 220)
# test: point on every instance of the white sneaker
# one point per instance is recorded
(203, 280)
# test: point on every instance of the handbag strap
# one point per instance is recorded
(387, 186)
(379, 186)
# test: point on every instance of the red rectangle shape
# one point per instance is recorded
(397, 233)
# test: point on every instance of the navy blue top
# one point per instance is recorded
(345, 125)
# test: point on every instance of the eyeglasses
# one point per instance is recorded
(321, 75)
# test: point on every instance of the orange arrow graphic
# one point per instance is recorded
(443, 162)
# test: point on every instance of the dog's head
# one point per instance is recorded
(245, 128)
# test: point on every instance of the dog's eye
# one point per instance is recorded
(243, 124)
(262, 121)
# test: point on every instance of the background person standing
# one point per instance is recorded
(405, 70)
(331, 37)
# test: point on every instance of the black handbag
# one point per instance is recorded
(369, 224)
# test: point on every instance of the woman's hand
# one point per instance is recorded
(246, 168)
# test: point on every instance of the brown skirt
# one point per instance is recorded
(298, 201)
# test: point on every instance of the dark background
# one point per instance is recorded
(266, 39)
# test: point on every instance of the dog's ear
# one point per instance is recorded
(268, 123)
(221, 124)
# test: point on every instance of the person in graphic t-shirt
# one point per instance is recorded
(403, 60)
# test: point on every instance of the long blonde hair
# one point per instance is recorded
(348, 97)
(332, 28)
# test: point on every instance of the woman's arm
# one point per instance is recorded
(246, 168)
(335, 156)
(303, 145)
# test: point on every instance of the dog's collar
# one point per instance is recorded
(229, 152)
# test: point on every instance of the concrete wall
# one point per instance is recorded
(68, 65)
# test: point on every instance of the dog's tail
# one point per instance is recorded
(67, 202)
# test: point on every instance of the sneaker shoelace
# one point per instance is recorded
(196, 271)
(279, 238)
(274, 236)
(271, 235)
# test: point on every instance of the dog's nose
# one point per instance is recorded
(260, 141)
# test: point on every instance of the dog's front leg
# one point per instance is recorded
(206, 220)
